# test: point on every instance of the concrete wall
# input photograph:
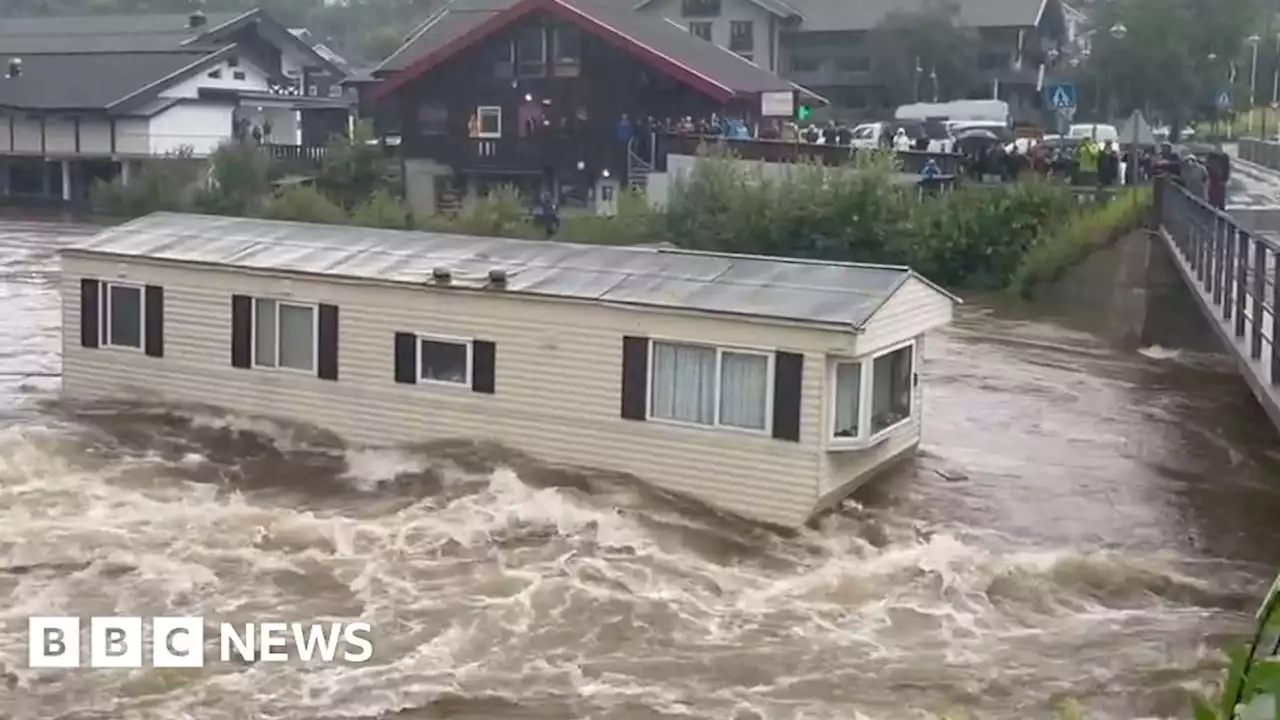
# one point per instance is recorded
(1131, 294)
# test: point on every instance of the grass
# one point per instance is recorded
(1078, 238)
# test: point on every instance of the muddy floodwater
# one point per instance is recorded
(1082, 522)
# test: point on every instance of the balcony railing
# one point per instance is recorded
(294, 154)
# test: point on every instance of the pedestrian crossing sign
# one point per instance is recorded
(1223, 101)
(1061, 97)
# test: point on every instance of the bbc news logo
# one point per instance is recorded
(178, 642)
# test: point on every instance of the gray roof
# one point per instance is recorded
(840, 294)
(656, 34)
(102, 33)
(439, 29)
(781, 8)
(844, 15)
(89, 81)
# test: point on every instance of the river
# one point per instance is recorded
(1082, 523)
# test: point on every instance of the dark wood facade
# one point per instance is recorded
(541, 96)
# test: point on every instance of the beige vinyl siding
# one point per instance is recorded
(914, 309)
(558, 379)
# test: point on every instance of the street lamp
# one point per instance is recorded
(1118, 31)
(1253, 40)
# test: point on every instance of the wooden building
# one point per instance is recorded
(553, 95)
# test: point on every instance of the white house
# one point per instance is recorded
(85, 98)
(766, 387)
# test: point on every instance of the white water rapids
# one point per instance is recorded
(1082, 523)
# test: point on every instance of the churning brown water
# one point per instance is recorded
(1081, 523)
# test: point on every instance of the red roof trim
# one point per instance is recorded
(576, 16)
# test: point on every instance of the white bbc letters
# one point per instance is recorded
(115, 642)
(53, 642)
(177, 642)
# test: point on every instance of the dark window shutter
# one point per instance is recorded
(241, 331)
(154, 318)
(635, 377)
(90, 320)
(484, 357)
(788, 374)
(327, 338)
(406, 358)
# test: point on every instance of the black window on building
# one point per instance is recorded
(701, 29)
(742, 36)
(700, 8)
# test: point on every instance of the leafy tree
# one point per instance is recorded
(907, 48)
(1173, 57)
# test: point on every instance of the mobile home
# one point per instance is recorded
(765, 387)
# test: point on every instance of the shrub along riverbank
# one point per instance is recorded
(975, 237)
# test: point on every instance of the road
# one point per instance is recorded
(1253, 193)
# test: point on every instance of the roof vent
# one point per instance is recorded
(498, 276)
(15, 68)
(196, 19)
(441, 274)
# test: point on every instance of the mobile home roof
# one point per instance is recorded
(842, 294)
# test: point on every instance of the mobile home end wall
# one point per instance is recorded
(558, 370)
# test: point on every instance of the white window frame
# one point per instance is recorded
(469, 343)
(865, 438)
(315, 335)
(104, 312)
(770, 358)
(480, 111)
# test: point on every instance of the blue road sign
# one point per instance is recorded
(1061, 96)
(1223, 100)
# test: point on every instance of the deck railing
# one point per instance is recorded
(301, 154)
(1235, 268)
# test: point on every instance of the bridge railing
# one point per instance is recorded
(1262, 152)
(1235, 268)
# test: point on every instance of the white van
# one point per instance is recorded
(1099, 133)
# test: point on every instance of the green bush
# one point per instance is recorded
(239, 181)
(1079, 236)
(303, 203)
(161, 184)
(501, 213)
(382, 210)
(355, 169)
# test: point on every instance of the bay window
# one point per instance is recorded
(870, 397)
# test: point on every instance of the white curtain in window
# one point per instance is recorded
(297, 337)
(848, 398)
(743, 390)
(264, 332)
(684, 379)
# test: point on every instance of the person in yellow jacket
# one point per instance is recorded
(1087, 162)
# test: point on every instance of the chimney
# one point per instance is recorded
(196, 19)
(15, 68)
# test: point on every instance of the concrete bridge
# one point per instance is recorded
(1228, 260)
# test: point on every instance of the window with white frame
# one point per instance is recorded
(122, 324)
(284, 335)
(848, 399)
(891, 389)
(489, 121)
(444, 360)
(710, 386)
(872, 396)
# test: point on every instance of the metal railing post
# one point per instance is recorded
(1228, 273)
(1275, 321)
(1259, 295)
(1242, 280)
